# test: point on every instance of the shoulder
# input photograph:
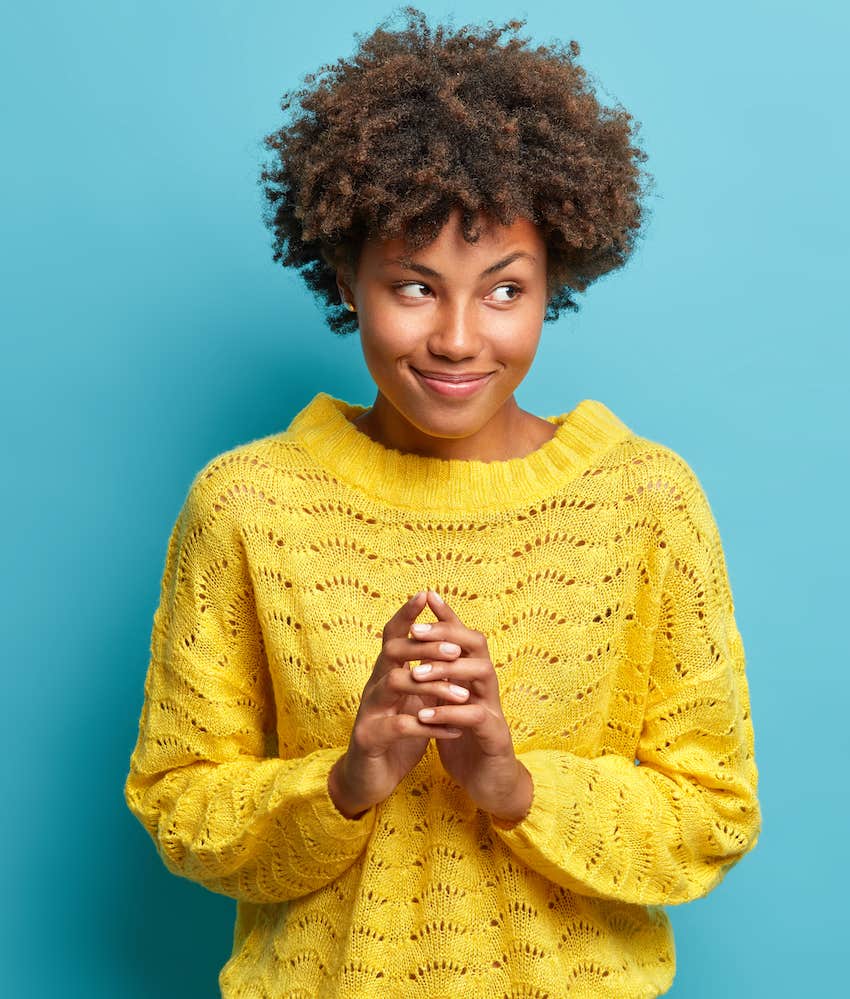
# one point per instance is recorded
(247, 462)
(661, 484)
(660, 473)
(646, 465)
(254, 475)
(670, 493)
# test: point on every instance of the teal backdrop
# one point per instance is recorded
(146, 329)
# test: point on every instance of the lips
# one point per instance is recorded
(456, 385)
(465, 376)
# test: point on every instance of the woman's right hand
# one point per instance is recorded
(388, 739)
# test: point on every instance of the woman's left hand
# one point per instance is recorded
(482, 759)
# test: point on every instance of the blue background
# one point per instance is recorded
(146, 329)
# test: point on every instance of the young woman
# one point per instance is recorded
(449, 696)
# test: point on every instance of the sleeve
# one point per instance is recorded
(667, 830)
(204, 778)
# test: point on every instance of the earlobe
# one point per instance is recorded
(345, 298)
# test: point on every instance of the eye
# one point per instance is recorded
(510, 287)
(411, 284)
(515, 289)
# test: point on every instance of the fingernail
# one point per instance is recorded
(449, 647)
(415, 597)
(422, 669)
(426, 712)
(458, 691)
(437, 597)
(420, 629)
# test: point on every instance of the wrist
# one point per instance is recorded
(513, 811)
(340, 794)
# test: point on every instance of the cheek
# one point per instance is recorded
(380, 350)
(520, 349)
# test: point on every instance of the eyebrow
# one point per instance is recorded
(411, 265)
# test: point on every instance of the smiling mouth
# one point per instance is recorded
(465, 376)
(454, 385)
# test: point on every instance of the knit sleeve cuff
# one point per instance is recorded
(540, 822)
(318, 829)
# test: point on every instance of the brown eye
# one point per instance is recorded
(411, 284)
(510, 287)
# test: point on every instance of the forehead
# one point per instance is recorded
(495, 239)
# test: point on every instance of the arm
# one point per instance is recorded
(204, 779)
(666, 831)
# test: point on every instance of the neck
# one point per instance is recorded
(326, 428)
(510, 433)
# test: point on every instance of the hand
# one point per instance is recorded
(388, 739)
(482, 760)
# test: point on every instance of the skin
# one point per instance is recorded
(437, 310)
(453, 699)
(452, 320)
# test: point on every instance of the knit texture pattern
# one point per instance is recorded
(594, 567)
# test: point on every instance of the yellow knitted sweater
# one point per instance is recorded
(594, 568)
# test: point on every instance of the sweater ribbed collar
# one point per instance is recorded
(324, 428)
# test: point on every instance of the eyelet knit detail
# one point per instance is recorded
(594, 570)
(324, 427)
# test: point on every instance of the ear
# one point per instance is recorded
(346, 295)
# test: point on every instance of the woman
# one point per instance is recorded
(450, 697)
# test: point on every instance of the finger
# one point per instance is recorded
(477, 675)
(466, 716)
(399, 624)
(471, 643)
(403, 650)
(398, 627)
(441, 609)
(449, 627)
(453, 693)
(398, 682)
(389, 729)
(490, 730)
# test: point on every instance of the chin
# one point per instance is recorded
(450, 427)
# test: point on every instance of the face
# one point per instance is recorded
(448, 333)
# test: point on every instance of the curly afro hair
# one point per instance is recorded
(419, 121)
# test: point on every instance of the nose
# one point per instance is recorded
(456, 334)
